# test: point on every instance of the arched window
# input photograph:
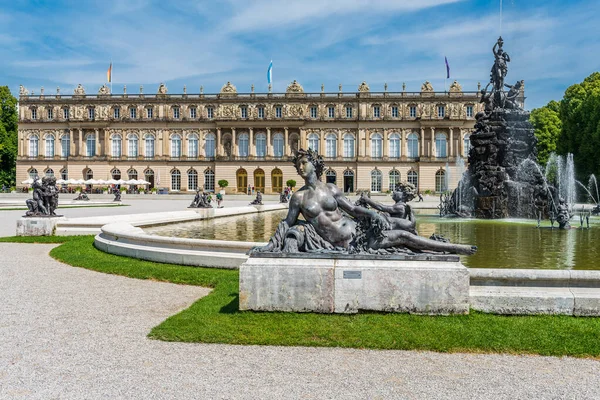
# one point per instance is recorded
(192, 145)
(259, 180)
(65, 145)
(394, 145)
(278, 145)
(90, 145)
(261, 145)
(50, 146)
(149, 145)
(243, 145)
(116, 145)
(132, 174)
(376, 179)
(466, 145)
(89, 174)
(348, 181)
(149, 177)
(176, 179)
(115, 173)
(242, 180)
(348, 145)
(132, 145)
(192, 179)
(49, 172)
(331, 145)
(209, 145)
(33, 173)
(33, 146)
(277, 180)
(440, 181)
(209, 180)
(394, 179)
(413, 178)
(313, 142)
(440, 145)
(330, 176)
(64, 174)
(176, 148)
(376, 145)
(413, 145)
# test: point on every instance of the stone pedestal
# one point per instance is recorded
(415, 284)
(37, 226)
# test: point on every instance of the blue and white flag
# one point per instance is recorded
(447, 68)
(270, 73)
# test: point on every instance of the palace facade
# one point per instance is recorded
(370, 141)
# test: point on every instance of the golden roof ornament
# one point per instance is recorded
(229, 89)
(104, 90)
(294, 87)
(455, 87)
(162, 89)
(426, 87)
(79, 90)
(363, 87)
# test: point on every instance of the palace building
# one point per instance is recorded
(370, 140)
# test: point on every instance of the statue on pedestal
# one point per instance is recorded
(45, 198)
(258, 199)
(201, 200)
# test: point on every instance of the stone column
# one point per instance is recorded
(422, 149)
(432, 141)
(340, 145)
(251, 146)
(106, 142)
(359, 143)
(269, 151)
(322, 142)
(287, 148)
(184, 146)
(97, 149)
(234, 149)
(451, 145)
(367, 143)
(159, 143)
(57, 147)
(80, 143)
(404, 144)
(219, 149)
(302, 138)
(385, 149)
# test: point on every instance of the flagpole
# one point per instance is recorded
(111, 79)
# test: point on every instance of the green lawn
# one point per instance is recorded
(216, 319)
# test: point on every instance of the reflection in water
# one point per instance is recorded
(501, 244)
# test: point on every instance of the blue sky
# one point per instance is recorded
(552, 44)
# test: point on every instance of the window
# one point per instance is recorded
(192, 145)
(65, 145)
(209, 145)
(277, 180)
(149, 145)
(149, 112)
(413, 145)
(440, 181)
(176, 112)
(66, 113)
(89, 174)
(209, 180)
(349, 145)
(331, 112)
(376, 178)
(209, 112)
(394, 111)
(49, 173)
(469, 111)
(466, 145)
(330, 176)
(261, 145)
(394, 140)
(376, 112)
(132, 174)
(50, 146)
(376, 145)
(193, 113)
(244, 112)
(50, 113)
(440, 145)
(278, 145)
(243, 145)
(175, 180)
(441, 111)
(116, 113)
(261, 112)
(278, 112)
(90, 145)
(348, 112)
(132, 145)
(115, 173)
(331, 145)
(91, 113)
(33, 173)
(149, 177)
(242, 180)
(192, 179)
(394, 179)
(259, 180)
(116, 146)
(413, 178)
(175, 146)
(132, 113)
(33, 146)
(412, 111)
(64, 174)
(34, 113)
(313, 142)
(313, 112)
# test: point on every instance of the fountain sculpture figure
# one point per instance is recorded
(45, 198)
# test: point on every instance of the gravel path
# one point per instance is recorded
(69, 333)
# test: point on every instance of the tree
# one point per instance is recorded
(223, 183)
(291, 183)
(547, 124)
(8, 136)
(580, 116)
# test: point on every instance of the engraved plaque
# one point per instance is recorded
(352, 275)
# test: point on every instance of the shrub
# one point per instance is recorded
(223, 183)
(291, 183)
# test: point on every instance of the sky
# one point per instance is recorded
(552, 44)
